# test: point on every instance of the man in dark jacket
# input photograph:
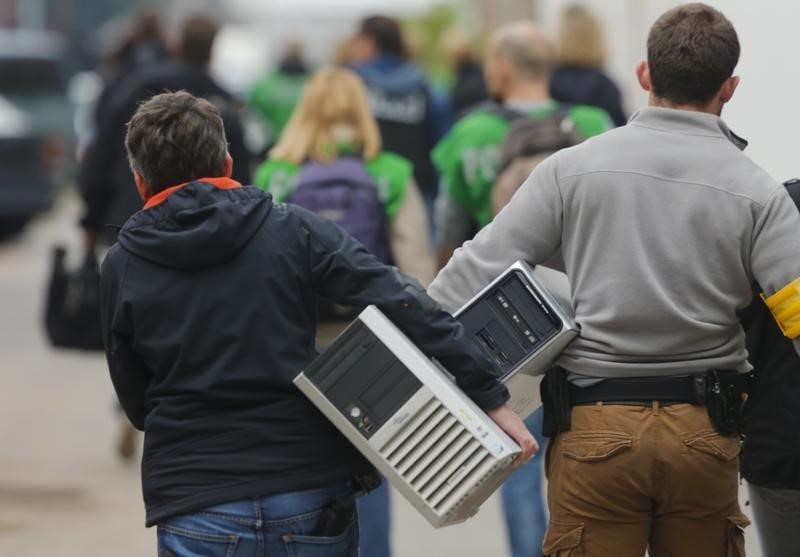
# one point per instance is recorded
(410, 116)
(104, 178)
(771, 450)
(209, 311)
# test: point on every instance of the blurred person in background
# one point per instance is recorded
(771, 451)
(410, 116)
(208, 311)
(581, 55)
(104, 175)
(275, 96)
(343, 53)
(145, 44)
(518, 65)
(469, 87)
(331, 123)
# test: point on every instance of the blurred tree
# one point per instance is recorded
(424, 35)
(484, 16)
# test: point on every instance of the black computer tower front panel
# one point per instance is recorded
(510, 322)
(362, 378)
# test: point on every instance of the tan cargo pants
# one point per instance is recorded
(626, 479)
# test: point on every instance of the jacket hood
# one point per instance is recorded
(196, 225)
(391, 74)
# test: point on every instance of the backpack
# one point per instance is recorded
(344, 193)
(529, 141)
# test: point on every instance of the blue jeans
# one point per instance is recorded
(374, 522)
(523, 501)
(275, 526)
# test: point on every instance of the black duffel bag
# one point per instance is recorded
(72, 315)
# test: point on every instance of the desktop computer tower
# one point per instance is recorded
(405, 414)
(522, 321)
(409, 419)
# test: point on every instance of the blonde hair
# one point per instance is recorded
(580, 38)
(333, 96)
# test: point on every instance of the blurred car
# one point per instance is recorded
(26, 180)
(34, 77)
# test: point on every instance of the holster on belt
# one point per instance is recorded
(726, 400)
(556, 403)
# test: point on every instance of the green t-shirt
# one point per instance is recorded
(467, 157)
(274, 98)
(391, 173)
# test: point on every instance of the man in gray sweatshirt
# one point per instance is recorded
(663, 225)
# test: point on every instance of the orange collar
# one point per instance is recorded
(223, 183)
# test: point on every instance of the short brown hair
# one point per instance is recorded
(691, 51)
(175, 138)
(386, 33)
(197, 40)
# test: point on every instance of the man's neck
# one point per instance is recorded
(528, 92)
(714, 107)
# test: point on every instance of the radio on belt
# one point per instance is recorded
(407, 416)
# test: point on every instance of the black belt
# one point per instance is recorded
(642, 390)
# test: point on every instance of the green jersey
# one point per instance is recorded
(467, 157)
(391, 174)
(274, 98)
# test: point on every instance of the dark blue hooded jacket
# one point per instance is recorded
(411, 117)
(209, 311)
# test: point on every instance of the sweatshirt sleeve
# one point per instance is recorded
(775, 253)
(129, 375)
(528, 228)
(346, 273)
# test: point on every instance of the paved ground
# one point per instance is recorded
(62, 490)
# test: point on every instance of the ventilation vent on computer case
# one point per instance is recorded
(437, 455)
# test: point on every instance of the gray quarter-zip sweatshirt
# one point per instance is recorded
(664, 225)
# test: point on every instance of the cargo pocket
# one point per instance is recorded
(563, 540)
(344, 544)
(710, 442)
(736, 525)
(593, 446)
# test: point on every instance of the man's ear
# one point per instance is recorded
(643, 75)
(228, 165)
(728, 88)
(145, 192)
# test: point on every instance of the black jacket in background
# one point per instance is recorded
(104, 176)
(469, 89)
(410, 117)
(771, 450)
(209, 311)
(578, 85)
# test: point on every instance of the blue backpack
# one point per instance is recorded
(344, 193)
